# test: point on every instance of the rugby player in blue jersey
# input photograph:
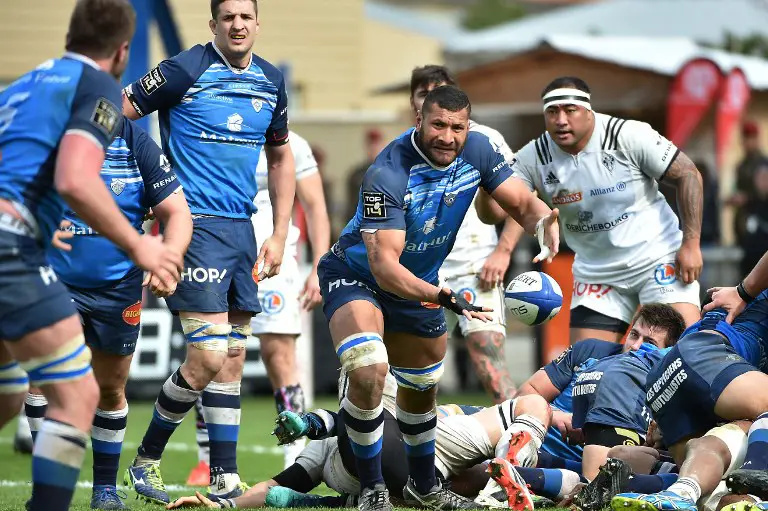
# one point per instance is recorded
(379, 283)
(57, 121)
(106, 287)
(220, 109)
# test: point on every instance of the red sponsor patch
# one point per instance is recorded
(566, 197)
(132, 314)
(430, 305)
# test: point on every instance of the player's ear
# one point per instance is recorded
(419, 120)
(212, 26)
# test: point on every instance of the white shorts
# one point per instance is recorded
(461, 442)
(322, 461)
(469, 287)
(279, 299)
(656, 283)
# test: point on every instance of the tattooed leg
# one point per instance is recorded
(486, 349)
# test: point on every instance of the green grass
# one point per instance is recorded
(258, 457)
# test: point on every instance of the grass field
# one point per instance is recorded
(258, 456)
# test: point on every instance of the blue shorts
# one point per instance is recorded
(684, 387)
(340, 285)
(31, 295)
(220, 271)
(111, 314)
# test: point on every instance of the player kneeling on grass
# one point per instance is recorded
(106, 288)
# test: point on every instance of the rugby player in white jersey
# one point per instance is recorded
(477, 264)
(283, 296)
(603, 174)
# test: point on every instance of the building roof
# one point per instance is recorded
(700, 20)
(439, 25)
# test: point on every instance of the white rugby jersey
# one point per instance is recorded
(475, 240)
(305, 166)
(611, 211)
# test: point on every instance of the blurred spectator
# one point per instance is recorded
(745, 170)
(710, 221)
(335, 211)
(754, 241)
(374, 143)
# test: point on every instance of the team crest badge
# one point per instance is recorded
(449, 199)
(608, 162)
(117, 186)
(429, 225)
(585, 216)
(257, 104)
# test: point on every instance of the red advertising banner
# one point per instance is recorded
(731, 102)
(692, 92)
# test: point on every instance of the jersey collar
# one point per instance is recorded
(226, 62)
(81, 58)
(424, 156)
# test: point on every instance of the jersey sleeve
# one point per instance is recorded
(160, 180)
(165, 85)
(306, 165)
(277, 133)
(96, 111)
(560, 370)
(647, 149)
(382, 195)
(488, 159)
(522, 168)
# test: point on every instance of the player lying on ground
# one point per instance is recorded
(463, 441)
(712, 375)
(106, 288)
(604, 173)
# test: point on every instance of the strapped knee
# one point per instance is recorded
(69, 362)
(204, 335)
(361, 350)
(239, 336)
(421, 379)
(13, 379)
(735, 440)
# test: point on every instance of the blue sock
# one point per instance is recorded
(176, 398)
(201, 434)
(221, 409)
(58, 455)
(642, 483)
(107, 444)
(419, 432)
(365, 429)
(553, 483)
(547, 460)
(35, 406)
(756, 457)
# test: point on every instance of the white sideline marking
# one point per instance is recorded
(182, 447)
(89, 485)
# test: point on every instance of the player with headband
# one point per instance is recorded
(602, 173)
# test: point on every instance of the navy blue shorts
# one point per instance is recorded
(111, 314)
(684, 387)
(340, 285)
(220, 271)
(31, 295)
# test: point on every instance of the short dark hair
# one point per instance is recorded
(216, 3)
(664, 316)
(430, 74)
(98, 28)
(449, 97)
(566, 82)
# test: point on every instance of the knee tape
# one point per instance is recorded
(13, 379)
(206, 336)
(69, 362)
(736, 441)
(239, 336)
(420, 379)
(361, 350)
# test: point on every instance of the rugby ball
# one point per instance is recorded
(533, 298)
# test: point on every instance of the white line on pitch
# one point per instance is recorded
(182, 447)
(89, 484)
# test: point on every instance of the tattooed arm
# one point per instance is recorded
(384, 247)
(685, 177)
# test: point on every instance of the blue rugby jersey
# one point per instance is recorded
(403, 190)
(67, 95)
(140, 177)
(214, 121)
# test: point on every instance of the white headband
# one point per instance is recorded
(567, 97)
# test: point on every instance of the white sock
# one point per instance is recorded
(687, 488)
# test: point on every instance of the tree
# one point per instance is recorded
(488, 13)
(755, 44)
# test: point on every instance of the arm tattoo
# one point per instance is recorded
(486, 349)
(684, 176)
(371, 242)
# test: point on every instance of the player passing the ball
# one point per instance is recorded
(379, 284)
(603, 173)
